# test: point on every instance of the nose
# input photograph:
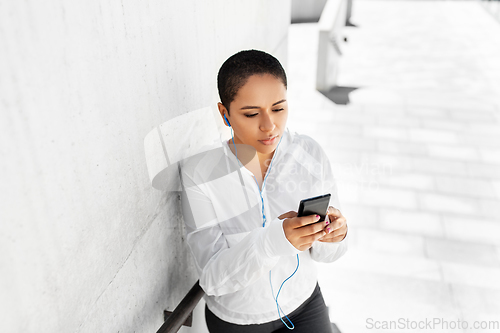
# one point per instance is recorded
(267, 123)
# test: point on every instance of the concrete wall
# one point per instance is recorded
(86, 244)
(331, 23)
(307, 10)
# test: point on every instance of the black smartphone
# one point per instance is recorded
(316, 205)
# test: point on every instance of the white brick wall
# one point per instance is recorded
(86, 244)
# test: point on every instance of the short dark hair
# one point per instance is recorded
(236, 70)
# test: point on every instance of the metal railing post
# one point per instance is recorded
(183, 310)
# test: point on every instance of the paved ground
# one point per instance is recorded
(417, 157)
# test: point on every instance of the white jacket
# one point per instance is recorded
(223, 214)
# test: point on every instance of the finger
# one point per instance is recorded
(334, 211)
(338, 223)
(305, 220)
(328, 239)
(287, 215)
(305, 247)
(311, 228)
(336, 226)
(324, 238)
(334, 236)
(338, 232)
(312, 238)
(338, 238)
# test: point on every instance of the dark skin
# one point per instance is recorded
(260, 111)
(302, 232)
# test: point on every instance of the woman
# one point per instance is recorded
(239, 206)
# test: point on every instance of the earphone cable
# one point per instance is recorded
(263, 225)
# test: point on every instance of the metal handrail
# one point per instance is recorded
(183, 310)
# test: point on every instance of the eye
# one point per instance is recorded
(251, 115)
(277, 110)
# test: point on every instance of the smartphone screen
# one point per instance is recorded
(316, 205)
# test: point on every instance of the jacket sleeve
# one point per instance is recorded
(324, 251)
(223, 269)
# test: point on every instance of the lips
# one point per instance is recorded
(269, 141)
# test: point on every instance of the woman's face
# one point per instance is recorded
(259, 113)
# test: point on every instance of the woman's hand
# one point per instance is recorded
(336, 229)
(303, 231)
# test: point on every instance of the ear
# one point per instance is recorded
(222, 111)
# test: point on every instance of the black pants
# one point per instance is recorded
(310, 316)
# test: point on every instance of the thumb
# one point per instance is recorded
(288, 215)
